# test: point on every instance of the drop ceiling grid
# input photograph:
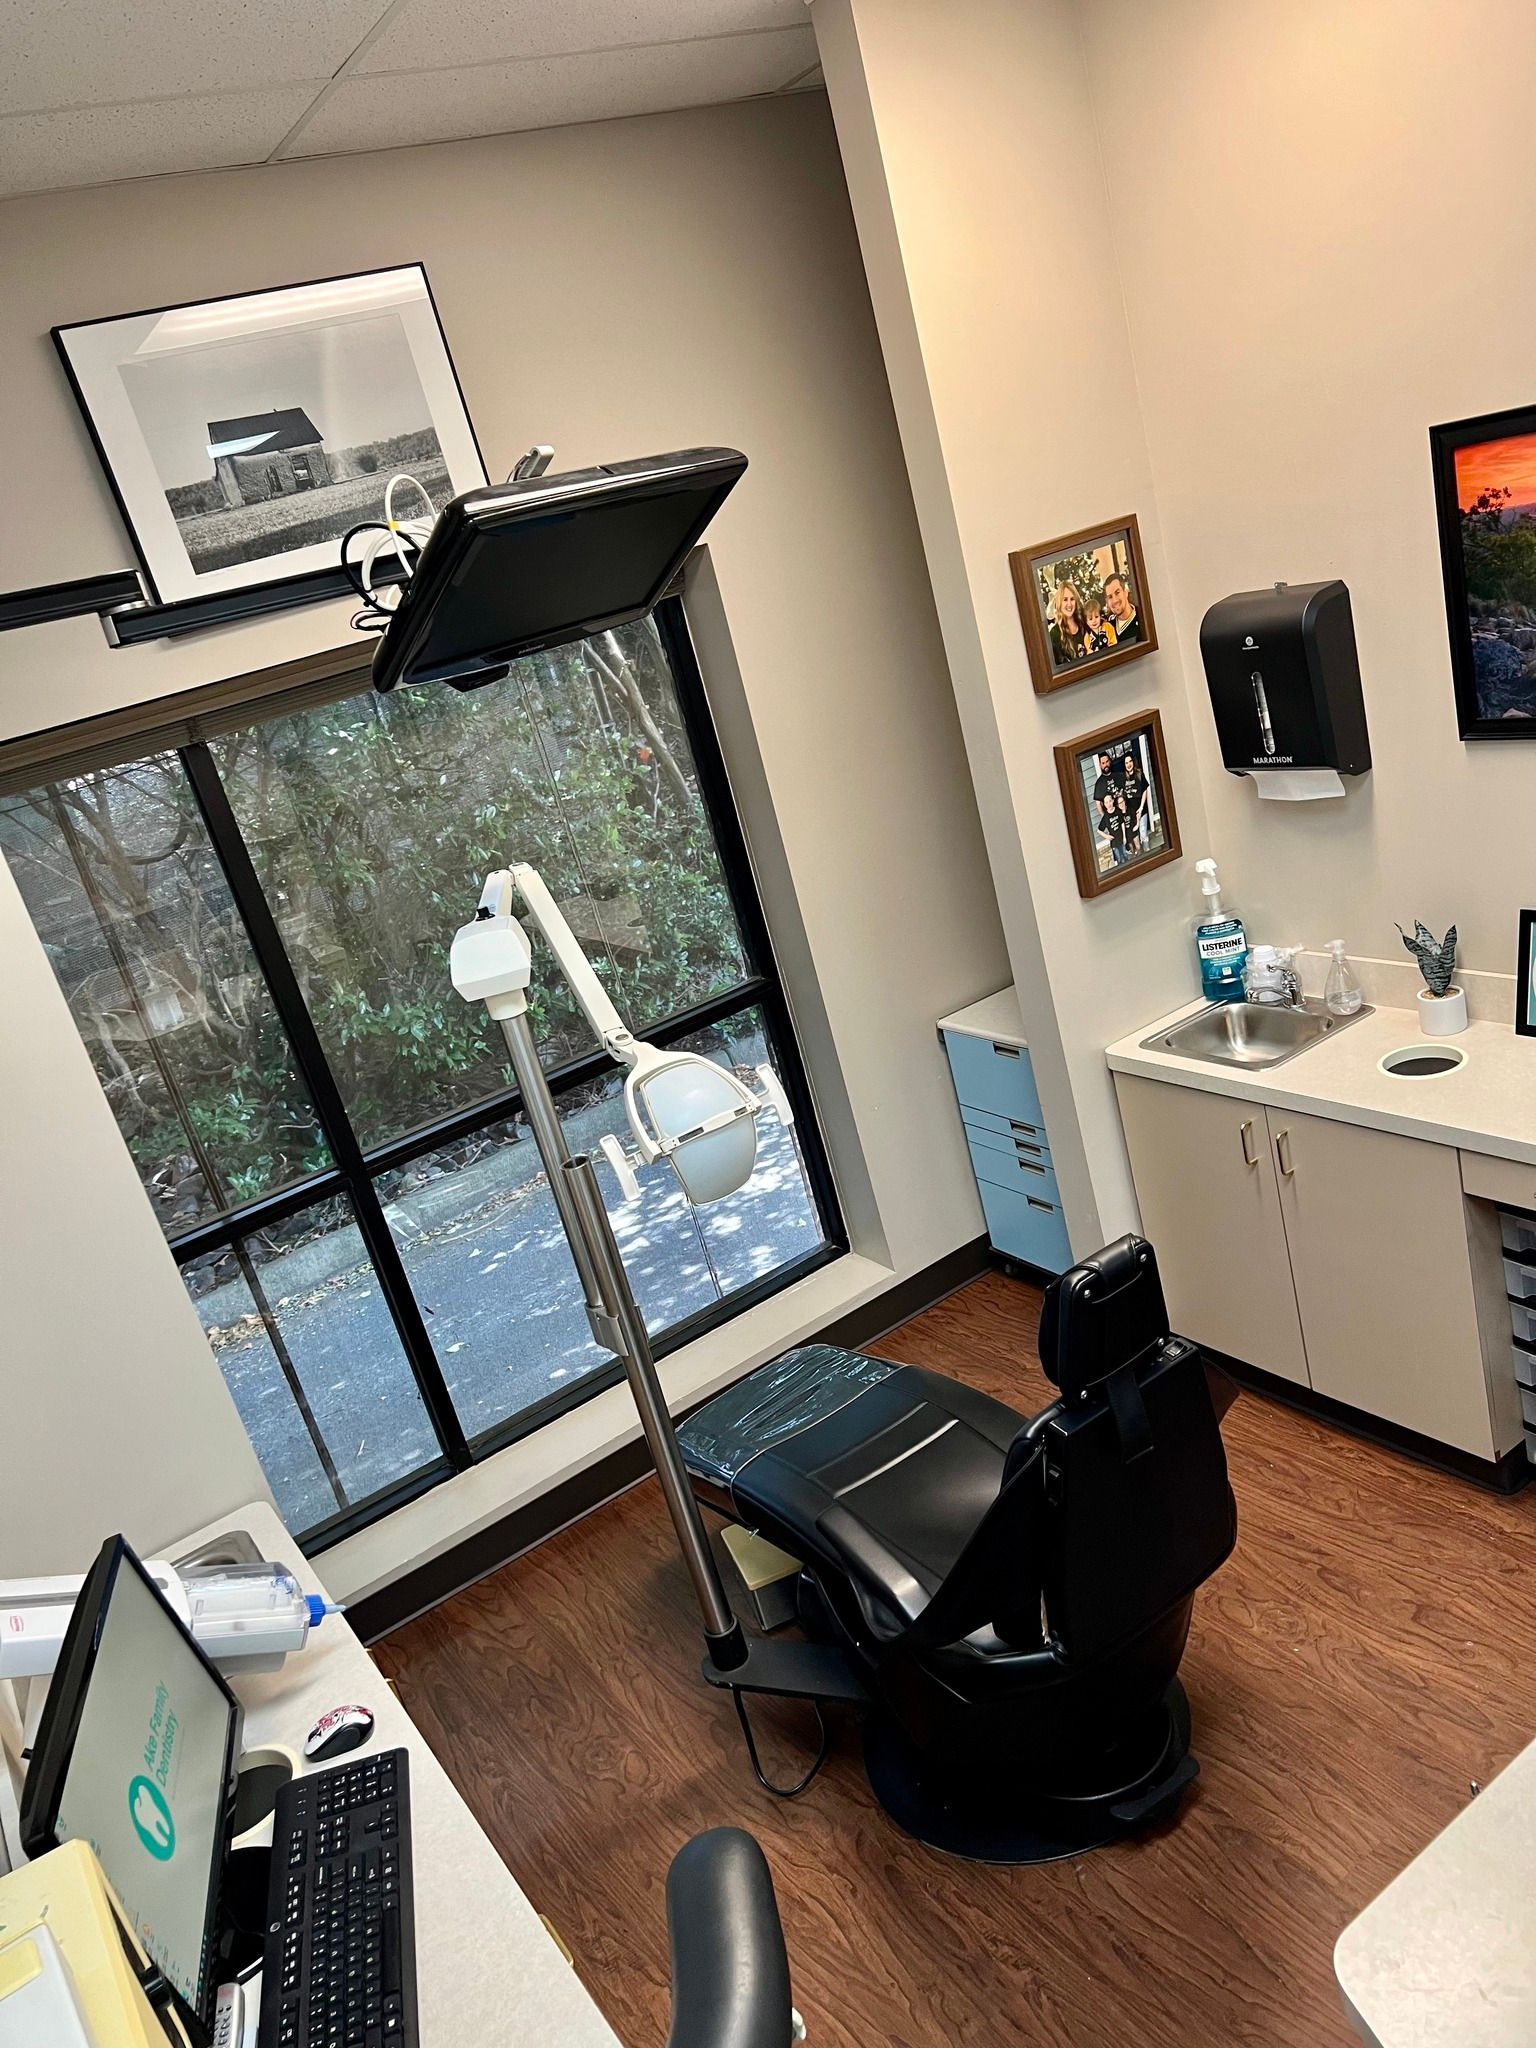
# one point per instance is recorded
(266, 80)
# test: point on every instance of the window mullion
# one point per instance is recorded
(293, 1013)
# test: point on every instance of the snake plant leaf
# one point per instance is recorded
(1436, 957)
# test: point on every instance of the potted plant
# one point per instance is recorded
(1442, 1005)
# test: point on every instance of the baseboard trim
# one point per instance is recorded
(415, 1592)
(1504, 1475)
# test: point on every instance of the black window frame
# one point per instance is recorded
(356, 1169)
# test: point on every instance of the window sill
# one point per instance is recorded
(461, 1506)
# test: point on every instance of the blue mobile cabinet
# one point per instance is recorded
(1004, 1128)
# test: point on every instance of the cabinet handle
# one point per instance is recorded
(1040, 1205)
(1005, 1052)
(1030, 1130)
(1283, 1154)
(1250, 1157)
(1029, 1166)
(1023, 1145)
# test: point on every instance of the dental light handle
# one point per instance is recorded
(574, 964)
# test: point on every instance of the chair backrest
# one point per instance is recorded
(1136, 1507)
(1115, 1503)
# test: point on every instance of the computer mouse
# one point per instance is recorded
(343, 1728)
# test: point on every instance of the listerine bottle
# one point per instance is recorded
(1220, 941)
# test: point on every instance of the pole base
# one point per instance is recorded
(792, 1670)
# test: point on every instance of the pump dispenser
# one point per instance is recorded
(1221, 944)
(1342, 993)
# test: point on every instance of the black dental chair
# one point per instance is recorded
(1014, 1594)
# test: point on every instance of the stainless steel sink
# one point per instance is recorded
(1250, 1034)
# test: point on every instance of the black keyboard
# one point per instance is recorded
(340, 1964)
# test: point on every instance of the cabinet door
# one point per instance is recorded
(1205, 1183)
(1378, 1242)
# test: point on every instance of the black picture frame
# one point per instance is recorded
(297, 571)
(1525, 1019)
(1475, 718)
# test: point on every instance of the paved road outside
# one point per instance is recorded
(499, 1291)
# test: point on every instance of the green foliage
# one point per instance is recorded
(372, 824)
(1499, 552)
(1436, 957)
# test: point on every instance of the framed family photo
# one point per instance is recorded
(1118, 799)
(244, 436)
(1485, 501)
(1084, 604)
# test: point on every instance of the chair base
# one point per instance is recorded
(977, 1819)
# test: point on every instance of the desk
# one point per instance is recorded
(488, 1974)
(1445, 1957)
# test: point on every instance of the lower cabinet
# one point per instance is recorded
(1327, 1253)
(1378, 1239)
(1209, 1197)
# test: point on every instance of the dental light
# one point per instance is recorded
(681, 1107)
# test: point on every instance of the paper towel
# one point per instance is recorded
(1299, 785)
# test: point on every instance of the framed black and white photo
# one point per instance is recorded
(244, 436)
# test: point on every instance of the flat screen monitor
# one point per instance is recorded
(533, 564)
(136, 1754)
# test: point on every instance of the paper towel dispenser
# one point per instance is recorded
(1284, 680)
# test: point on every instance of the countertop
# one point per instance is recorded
(487, 1971)
(1488, 1105)
(1445, 1957)
(995, 1016)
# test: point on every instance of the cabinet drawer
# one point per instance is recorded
(1499, 1180)
(1012, 1169)
(1026, 1226)
(1029, 1127)
(993, 1076)
(1018, 1144)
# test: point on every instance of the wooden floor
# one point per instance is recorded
(1369, 1650)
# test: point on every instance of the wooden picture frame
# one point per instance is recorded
(1525, 1016)
(1142, 832)
(1086, 564)
(1490, 463)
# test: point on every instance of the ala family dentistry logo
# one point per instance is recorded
(148, 1807)
(152, 1819)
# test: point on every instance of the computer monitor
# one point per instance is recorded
(542, 560)
(136, 1754)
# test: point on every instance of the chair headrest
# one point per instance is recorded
(1105, 1314)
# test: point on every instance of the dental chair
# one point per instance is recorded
(1013, 1595)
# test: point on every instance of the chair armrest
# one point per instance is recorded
(730, 1975)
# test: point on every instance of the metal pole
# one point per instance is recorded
(618, 1324)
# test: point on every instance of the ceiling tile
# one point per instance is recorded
(61, 53)
(94, 145)
(490, 99)
(429, 33)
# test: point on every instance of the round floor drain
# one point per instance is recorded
(1418, 1062)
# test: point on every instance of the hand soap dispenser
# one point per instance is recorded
(1220, 941)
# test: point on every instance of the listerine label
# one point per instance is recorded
(1221, 941)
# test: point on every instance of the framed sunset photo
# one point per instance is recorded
(1485, 500)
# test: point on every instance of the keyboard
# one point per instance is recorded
(339, 1969)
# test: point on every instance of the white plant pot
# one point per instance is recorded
(1443, 1016)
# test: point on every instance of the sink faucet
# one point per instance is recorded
(1271, 977)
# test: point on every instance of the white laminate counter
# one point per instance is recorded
(487, 1971)
(1488, 1105)
(1445, 1957)
(995, 1016)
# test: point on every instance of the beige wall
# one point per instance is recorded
(113, 1416)
(616, 290)
(967, 134)
(1324, 218)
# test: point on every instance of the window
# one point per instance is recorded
(252, 928)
